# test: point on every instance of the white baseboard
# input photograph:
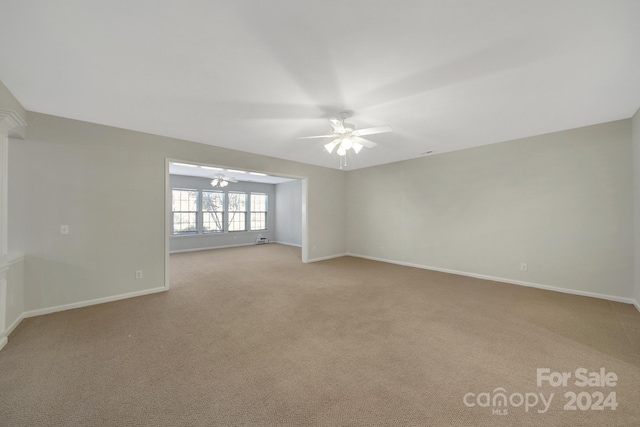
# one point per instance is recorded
(504, 280)
(637, 304)
(288, 244)
(324, 258)
(87, 303)
(48, 310)
(14, 325)
(179, 251)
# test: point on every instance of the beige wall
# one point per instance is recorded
(108, 185)
(560, 203)
(289, 213)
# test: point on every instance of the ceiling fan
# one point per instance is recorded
(221, 181)
(346, 137)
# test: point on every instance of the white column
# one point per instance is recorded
(3, 305)
(8, 121)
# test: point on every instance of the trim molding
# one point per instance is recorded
(179, 251)
(87, 303)
(5, 334)
(11, 260)
(10, 120)
(324, 258)
(637, 304)
(504, 280)
(288, 244)
(14, 325)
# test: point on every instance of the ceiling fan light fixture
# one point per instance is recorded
(342, 134)
(330, 146)
(219, 181)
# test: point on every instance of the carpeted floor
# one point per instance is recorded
(251, 336)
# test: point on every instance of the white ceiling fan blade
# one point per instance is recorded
(371, 131)
(313, 137)
(365, 142)
(337, 125)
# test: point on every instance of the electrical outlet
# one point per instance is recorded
(139, 274)
(524, 267)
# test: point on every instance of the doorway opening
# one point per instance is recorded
(214, 206)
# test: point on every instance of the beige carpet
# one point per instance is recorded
(251, 336)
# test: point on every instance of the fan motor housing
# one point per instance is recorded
(348, 127)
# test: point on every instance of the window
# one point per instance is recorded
(237, 209)
(185, 211)
(203, 211)
(212, 211)
(258, 211)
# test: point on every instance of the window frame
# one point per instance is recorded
(183, 212)
(222, 212)
(232, 213)
(227, 215)
(264, 212)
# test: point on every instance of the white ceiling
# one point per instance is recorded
(256, 75)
